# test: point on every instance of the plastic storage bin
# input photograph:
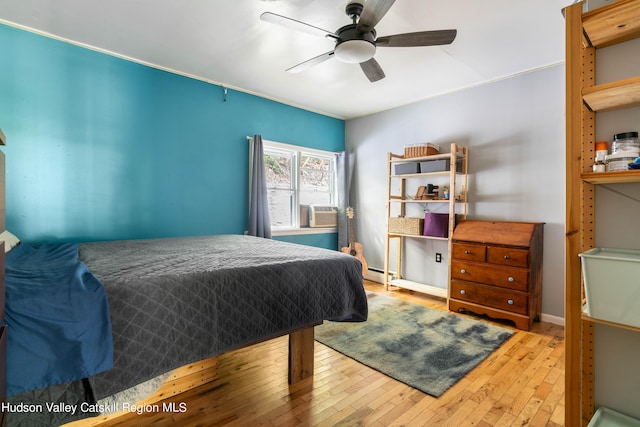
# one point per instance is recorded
(612, 288)
(626, 141)
(435, 165)
(406, 168)
(441, 165)
(605, 417)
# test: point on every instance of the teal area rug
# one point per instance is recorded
(425, 348)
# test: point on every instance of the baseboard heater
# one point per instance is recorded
(376, 275)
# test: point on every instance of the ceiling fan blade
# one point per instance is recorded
(310, 62)
(372, 70)
(421, 38)
(296, 25)
(373, 12)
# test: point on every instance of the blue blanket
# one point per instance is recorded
(59, 328)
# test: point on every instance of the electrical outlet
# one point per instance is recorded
(438, 257)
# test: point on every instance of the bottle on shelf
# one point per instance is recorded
(602, 150)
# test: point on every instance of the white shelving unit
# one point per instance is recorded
(398, 200)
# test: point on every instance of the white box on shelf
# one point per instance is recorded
(605, 417)
(612, 285)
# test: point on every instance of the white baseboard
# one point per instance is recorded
(552, 319)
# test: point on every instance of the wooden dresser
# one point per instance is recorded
(496, 270)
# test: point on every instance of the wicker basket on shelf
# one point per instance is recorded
(406, 225)
(420, 150)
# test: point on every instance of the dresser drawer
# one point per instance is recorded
(469, 252)
(508, 256)
(506, 277)
(490, 296)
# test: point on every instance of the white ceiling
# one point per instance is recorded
(225, 42)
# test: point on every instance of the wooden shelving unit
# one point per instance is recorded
(398, 200)
(585, 32)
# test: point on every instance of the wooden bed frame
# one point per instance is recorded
(196, 374)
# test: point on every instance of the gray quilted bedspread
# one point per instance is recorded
(179, 300)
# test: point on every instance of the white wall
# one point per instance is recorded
(515, 131)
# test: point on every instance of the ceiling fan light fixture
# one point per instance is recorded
(357, 42)
(355, 51)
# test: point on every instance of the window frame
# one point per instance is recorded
(297, 152)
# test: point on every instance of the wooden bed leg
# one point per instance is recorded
(301, 354)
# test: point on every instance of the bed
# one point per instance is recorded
(172, 303)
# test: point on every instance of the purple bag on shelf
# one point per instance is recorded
(436, 224)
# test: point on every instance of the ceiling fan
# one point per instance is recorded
(357, 42)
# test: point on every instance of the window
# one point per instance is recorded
(297, 176)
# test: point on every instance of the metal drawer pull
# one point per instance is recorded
(510, 302)
(506, 257)
(467, 252)
(463, 271)
(462, 292)
(511, 279)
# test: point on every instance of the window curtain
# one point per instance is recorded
(343, 163)
(259, 221)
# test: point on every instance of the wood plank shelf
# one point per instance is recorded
(399, 158)
(415, 236)
(615, 177)
(400, 200)
(614, 95)
(587, 318)
(420, 175)
(419, 287)
(615, 23)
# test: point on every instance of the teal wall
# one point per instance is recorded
(326, 240)
(102, 148)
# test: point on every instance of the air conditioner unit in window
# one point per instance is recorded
(323, 216)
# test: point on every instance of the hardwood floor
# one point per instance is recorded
(520, 384)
